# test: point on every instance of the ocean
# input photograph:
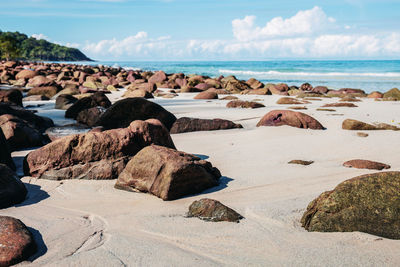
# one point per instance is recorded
(369, 75)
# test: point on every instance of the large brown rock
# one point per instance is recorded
(48, 91)
(368, 203)
(95, 155)
(291, 101)
(11, 96)
(90, 116)
(167, 173)
(65, 101)
(12, 190)
(40, 80)
(320, 89)
(124, 111)
(392, 94)
(97, 99)
(213, 211)
(5, 155)
(209, 94)
(350, 124)
(158, 77)
(185, 124)
(244, 104)
(365, 164)
(138, 93)
(235, 86)
(255, 84)
(17, 243)
(291, 118)
(26, 74)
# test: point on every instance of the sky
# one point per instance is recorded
(157, 30)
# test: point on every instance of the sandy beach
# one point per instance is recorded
(89, 223)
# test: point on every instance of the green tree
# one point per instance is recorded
(9, 47)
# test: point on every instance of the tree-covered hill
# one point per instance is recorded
(15, 45)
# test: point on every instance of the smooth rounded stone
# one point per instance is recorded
(392, 94)
(58, 132)
(290, 118)
(20, 134)
(12, 190)
(5, 154)
(212, 210)
(158, 77)
(229, 97)
(350, 124)
(368, 203)
(72, 154)
(375, 95)
(306, 87)
(207, 95)
(97, 99)
(40, 80)
(320, 89)
(365, 164)
(12, 96)
(244, 104)
(185, 124)
(255, 84)
(203, 86)
(259, 91)
(64, 102)
(47, 91)
(349, 105)
(278, 89)
(291, 101)
(361, 134)
(167, 173)
(124, 111)
(17, 243)
(138, 93)
(35, 98)
(90, 116)
(301, 162)
(26, 74)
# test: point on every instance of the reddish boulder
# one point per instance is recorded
(185, 124)
(349, 105)
(320, 89)
(40, 81)
(350, 124)
(17, 243)
(365, 164)
(138, 93)
(306, 87)
(97, 99)
(91, 116)
(167, 173)
(244, 104)
(209, 94)
(213, 211)
(11, 96)
(291, 118)
(375, 95)
(26, 74)
(158, 77)
(48, 91)
(291, 101)
(255, 84)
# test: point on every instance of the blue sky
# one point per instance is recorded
(218, 29)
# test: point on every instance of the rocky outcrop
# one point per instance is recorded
(365, 164)
(5, 155)
(368, 203)
(392, 94)
(12, 190)
(185, 124)
(97, 99)
(212, 210)
(124, 111)
(95, 155)
(350, 124)
(167, 173)
(244, 104)
(17, 243)
(11, 96)
(64, 101)
(290, 118)
(91, 116)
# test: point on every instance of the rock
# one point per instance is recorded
(138, 93)
(25, 74)
(255, 84)
(90, 116)
(149, 87)
(203, 86)
(368, 203)
(352, 91)
(290, 101)
(12, 190)
(11, 96)
(365, 164)
(301, 162)
(349, 105)
(306, 87)
(244, 104)
(167, 173)
(349, 99)
(124, 111)
(64, 102)
(235, 87)
(185, 124)
(375, 95)
(17, 242)
(326, 109)
(40, 81)
(229, 97)
(298, 108)
(10, 64)
(360, 134)
(350, 124)
(206, 95)
(5, 155)
(393, 94)
(35, 98)
(320, 89)
(94, 155)
(291, 118)
(260, 91)
(97, 99)
(58, 132)
(212, 210)
(278, 89)
(158, 77)
(48, 91)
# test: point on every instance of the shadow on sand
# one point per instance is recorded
(35, 195)
(41, 247)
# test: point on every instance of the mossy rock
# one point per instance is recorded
(368, 203)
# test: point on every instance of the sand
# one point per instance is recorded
(89, 223)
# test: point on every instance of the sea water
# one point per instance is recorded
(369, 75)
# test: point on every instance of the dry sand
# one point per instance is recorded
(89, 223)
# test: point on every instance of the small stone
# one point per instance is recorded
(301, 162)
(361, 134)
(212, 210)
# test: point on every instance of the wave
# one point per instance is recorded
(334, 75)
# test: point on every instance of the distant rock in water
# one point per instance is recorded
(167, 173)
(365, 164)
(368, 203)
(17, 243)
(12, 190)
(185, 124)
(213, 211)
(290, 118)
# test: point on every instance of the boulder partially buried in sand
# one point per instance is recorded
(212, 210)
(291, 101)
(350, 124)
(348, 105)
(244, 104)
(167, 173)
(291, 118)
(17, 243)
(368, 203)
(365, 164)
(209, 94)
(95, 155)
(185, 124)
(12, 190)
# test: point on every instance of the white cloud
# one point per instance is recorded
(40, 36)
